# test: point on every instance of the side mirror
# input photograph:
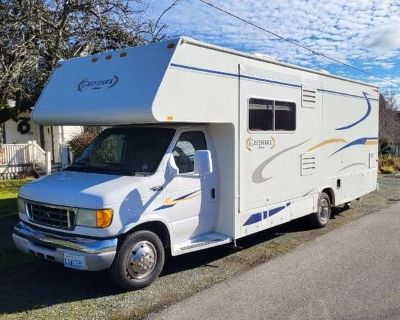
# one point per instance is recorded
(203, 162)
(172, 168)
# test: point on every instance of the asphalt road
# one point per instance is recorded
(349, 273)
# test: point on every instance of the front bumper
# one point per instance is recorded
(98, 253)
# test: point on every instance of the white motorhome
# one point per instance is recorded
(207, 145)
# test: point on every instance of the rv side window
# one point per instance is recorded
(269, 115)
(285, 116)
(261, 114)
(188, 143)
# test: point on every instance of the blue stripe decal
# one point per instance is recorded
(235, 75)
(186, 195)
(254, 218)
(165, 206)
(275, 210)
(344, 94)
(356, 142)
(271, 81)
(363, 118)
(205, 70)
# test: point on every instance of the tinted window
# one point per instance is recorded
(261, 115)
(188, 143)
(270, 115)
(285, 115)
(125, 151)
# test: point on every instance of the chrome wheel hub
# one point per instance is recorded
(324, 210)
(141, 260)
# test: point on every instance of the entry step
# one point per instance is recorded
(202, 242)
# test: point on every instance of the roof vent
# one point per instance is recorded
(265, 56)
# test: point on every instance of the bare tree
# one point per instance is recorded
(35, 34)
(389, 121)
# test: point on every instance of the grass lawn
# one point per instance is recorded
(8, 196)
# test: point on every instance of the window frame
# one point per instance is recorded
(273, 120)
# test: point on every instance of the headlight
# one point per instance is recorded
(21, 206)
(94, 218)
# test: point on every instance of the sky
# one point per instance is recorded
(365, 34)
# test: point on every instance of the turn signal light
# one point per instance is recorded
(103, 218)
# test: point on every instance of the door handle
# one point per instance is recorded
(157, 188)
(213, 193)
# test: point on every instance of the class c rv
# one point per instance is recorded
(203, 146)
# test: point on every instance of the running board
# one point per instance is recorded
(205, 241)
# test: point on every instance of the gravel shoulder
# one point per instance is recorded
(36, 289)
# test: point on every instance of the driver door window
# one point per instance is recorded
(189, 142)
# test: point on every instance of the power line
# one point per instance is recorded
(297, 43)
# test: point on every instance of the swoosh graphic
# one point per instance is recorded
(363, 118)
(360, 141)
(352, 165)
(169, 201)
(371, 142)
(306, 194)
(257, 176)
(114, 82)
(323, 143)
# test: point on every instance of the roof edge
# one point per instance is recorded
(194, 42)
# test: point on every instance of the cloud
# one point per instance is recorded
(387, 37)
(357, 32)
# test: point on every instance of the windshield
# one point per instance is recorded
(125, 151)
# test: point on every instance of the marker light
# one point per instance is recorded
(103, 218)
(94, 218)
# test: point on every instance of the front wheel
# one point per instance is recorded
(320, 218)
(139, 260)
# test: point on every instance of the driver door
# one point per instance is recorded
(191, 197)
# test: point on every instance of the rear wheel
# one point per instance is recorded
(139, 260)
(320, 218)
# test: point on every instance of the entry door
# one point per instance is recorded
(191, 197)
(275, 131)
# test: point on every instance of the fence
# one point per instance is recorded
(23, 159)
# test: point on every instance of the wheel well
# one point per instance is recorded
(159, 228)
(331, 195)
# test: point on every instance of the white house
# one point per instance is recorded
(49, 138)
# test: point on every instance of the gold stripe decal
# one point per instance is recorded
(170, 202)
(323, 143)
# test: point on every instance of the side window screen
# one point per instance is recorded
(188, 143)
(261, 114)
(270, 115)
(285, 116)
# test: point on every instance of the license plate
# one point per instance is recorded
(74, 261)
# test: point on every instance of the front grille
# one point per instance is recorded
(57, 217)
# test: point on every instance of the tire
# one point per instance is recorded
(320, 218)
(139, 260)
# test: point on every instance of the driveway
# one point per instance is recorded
(350, 273)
